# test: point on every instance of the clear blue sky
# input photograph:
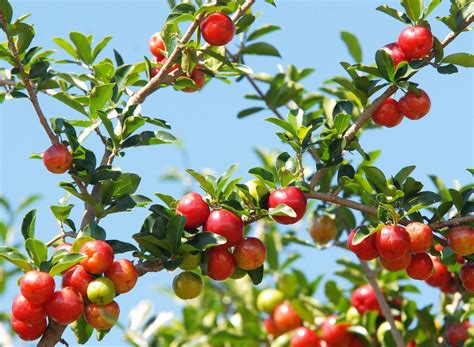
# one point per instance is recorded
(441, 143)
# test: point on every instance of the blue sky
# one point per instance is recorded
(441, 143)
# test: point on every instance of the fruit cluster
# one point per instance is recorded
(84, 292)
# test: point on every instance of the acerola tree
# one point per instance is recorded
(406, 233)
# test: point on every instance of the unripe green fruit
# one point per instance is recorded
(187, 285)
(238, 273)
(384, 331)
(288, 285)
(101, 291)
(268, 299)
(190, 261)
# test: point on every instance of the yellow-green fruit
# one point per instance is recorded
(268, 299)
(383, 332)
(238, 273)
(352, 315)
(288, 285)
(101, 291)
(323, 230)
(187, 285)
(190, 261)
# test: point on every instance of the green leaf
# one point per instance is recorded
(83, 47)
(37, 250)
(71, 102)
(385, 65)
(256, 275)
(282, 210)
(263, 30)
(13, 256)
(66, 46)
(263, 175)
(147, 138)
(82, 330)
(433, 4)
(394, 13)
(205, 183)
(66, 262)
(376, 178)
(25, 36)
(99, 97)
(447, 69)
(244, 22)
(93, 230)
(413, 8)
(28, 225)
(61, 212)
(261, 48)
(460, 59)
(100, 46)
(404, 173)
(249, 111)
(167, 199)
(174, 231)
(6, 8)
(121, 247)
(204, 240)
(457, 199)
(353, 45)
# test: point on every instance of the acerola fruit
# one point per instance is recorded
(194, 208)
(304, 337)
(364, 299)
(286, 318)
(26, 331)
(336, 334)
(155, 70)
(456, 333)
(250, 253)
(268, 299)
(292, 197)
(218, 29)
(395, 53)
(440, 274)
(190, 261)
(421, 237)
(270, 327)
(156, 46)
(467, 276)
(100, 256)
(227, 224)
(187, 285)
(461, 240)
(27, 312)
(101, 291)
(78, 278)
(199, 79)
(415, 42)
(123, 274)
(57, 158)
(65, 306)
(421, 266)
(65, 245)
(356, 342)
(392, 242)
(102, 317)
(366, 249)
(37, 287)
(388, 114)
(397, 264)
(323, 230)
(413, 106)
(221, 264)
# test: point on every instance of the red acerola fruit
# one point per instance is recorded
(286, 318)
(366, 249)
(421, 266)
(37, 287)
(304, 337)
(467, 276)
(397, 264)
(65, 306)
(440, 274)
(199, 78)
(99, 256)
(292, 197)
(413, 106)
(250, 253)
(65, 245)
(395, 53)
(415, 42)
(194, 208)
(388, 114)
(123, 274)
(27, 312)
(26, 331)
(421, 237)
(156, 46)
(364, 299)
(461, 240)
(102, 316)
(270, 327)
(155, 70)
(57, 158)
(227, 224)
(218, 29)
(356, 342)
(220, 264)
(336, 334)
(456, 333)
(78, 278)
(392, 242)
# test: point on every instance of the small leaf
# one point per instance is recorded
(37, 250)
(261, 48)
(353, 45)
(249, 111)
(413, 8)
(460, 59)
(66, 262)
(61, 213)
(263, 30)
(28, 225)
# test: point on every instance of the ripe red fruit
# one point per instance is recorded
(364, 299)
(415, 42)
(467, 276)
(37, 287)
(395, 53)
(123, 274)
(366, 249)
(194, 208)
(456, 333)
(397, 264)
(155, 70)
(220, 264)
(28, 332)
(199, 79)
(392, 242)
(156, 45)
(65, 245)
(336, 334)
(421, 237)
(65, 306)
(102, 317)
(388, 114)
(218, 29)
(100, 256)
(27, 312)
(270, 327)
(227, 224)
(461, 240)
(356, 342)
(421, 266)
(440, 274)
(304, 337)
(413, 106)
(57, 158)
(286, 318)
(249, 254)
(292, 197)
(78, 278)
